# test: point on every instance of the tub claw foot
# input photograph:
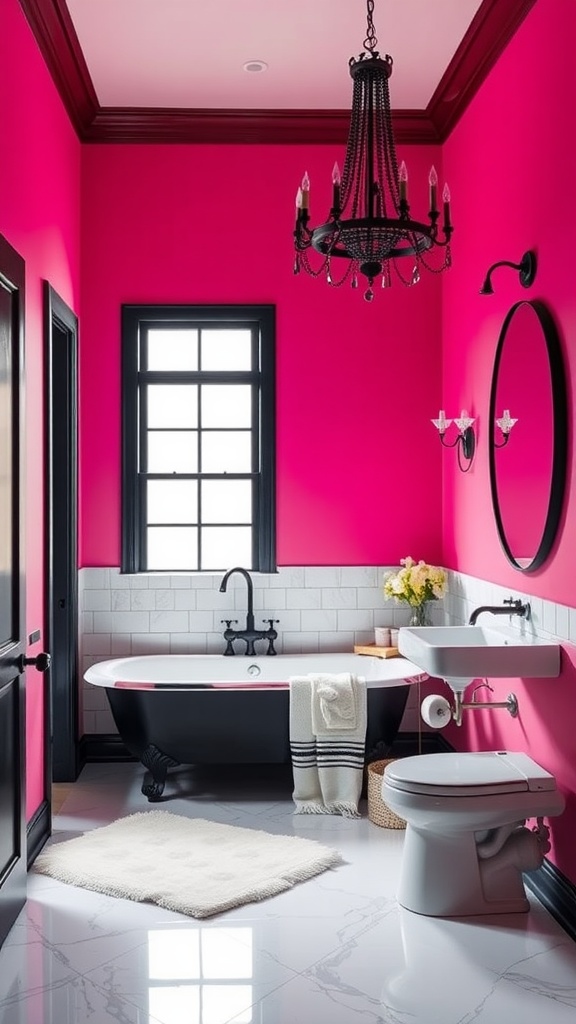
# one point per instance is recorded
(152, 788)
(157, 764)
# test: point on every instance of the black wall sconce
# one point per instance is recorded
(526, 272)
(465, 442)
(505, 423)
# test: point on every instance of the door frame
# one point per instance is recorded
(13, 270)
(61, 559)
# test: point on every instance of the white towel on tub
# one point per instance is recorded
(334, 702)
(327, 762)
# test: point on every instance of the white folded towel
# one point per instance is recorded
(333, 703)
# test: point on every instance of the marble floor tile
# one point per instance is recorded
(334, 950)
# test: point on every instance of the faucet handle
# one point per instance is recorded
(229, 622)
(271, 635)
(518, 606)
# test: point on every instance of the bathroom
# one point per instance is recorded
(362, 480)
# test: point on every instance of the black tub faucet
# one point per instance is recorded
(508, 607)
(249, 634)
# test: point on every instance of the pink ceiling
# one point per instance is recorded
(173, 70)
(190, 53)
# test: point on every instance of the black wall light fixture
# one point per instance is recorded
(464, 442)
(526, 272)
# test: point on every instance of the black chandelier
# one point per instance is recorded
(369, 224)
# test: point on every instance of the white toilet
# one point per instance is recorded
(466, 845)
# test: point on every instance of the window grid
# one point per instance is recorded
(137, 377)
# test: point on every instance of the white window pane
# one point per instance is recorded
(172, 501)
(226, 501)
(226, 451)
(226, 405)
(225, 350)
(227, 953)
(222, 1003)
(172, 405)
(172, 451)
(223, 546)
(179, 1005)
(172, 547)
(173, 954)
(173, 350)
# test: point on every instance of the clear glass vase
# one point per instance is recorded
(420, 615)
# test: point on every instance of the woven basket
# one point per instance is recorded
(378, 811)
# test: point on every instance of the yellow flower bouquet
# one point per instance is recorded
(415, 584)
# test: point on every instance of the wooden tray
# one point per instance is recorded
(376, 652)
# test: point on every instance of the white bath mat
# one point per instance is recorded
(190, 865)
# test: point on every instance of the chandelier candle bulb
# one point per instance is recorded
(305, 188)
(298, 206)
(403, 182)
(336, 187)
(446, 202)
(433, 182)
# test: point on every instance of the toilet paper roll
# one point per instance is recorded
(436, 711)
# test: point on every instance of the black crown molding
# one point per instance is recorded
(490, 31)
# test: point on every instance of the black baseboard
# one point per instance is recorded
(38, 831)
(96, 747)
(556, 893)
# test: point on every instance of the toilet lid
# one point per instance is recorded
(470, 774)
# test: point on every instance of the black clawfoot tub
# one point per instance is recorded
(208, 709)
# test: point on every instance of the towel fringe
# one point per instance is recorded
(305, 807)
(345, 809)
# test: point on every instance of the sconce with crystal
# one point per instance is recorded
(505, 423)
(464, 442)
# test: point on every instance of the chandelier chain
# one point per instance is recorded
(371, 42)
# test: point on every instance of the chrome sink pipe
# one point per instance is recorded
(511, 703)
(510, 606)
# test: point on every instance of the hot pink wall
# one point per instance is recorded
(39, 215)
(359, 465)
(512, 167)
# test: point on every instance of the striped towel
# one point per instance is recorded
(327, 763)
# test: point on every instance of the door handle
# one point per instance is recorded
(41, 662)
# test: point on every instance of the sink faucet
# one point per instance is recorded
(249, 634)
(508, 607)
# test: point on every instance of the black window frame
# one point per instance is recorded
(136, 319)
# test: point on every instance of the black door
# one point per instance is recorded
(61, 336)
(12, 628)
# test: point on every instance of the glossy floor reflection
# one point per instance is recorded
(334, 950)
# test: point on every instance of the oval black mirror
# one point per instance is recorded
(528, 465)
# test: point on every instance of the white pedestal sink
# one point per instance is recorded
(460, 654)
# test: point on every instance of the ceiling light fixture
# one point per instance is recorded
(255, 66)
(369, 224)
